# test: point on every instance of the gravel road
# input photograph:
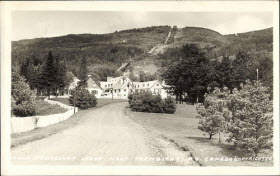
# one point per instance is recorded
(104, 136)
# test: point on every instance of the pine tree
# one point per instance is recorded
(60, 68)
(251, 120)
(83, 73)
(240, 72)
(48, 77)
(225, 71)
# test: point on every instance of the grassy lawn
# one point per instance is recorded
(40, 133)
(44, 108)
(181, 129)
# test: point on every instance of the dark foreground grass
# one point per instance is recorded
(40, 133)
(181, 128)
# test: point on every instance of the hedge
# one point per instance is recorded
(147, 102)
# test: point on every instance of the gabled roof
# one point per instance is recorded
(118, 82)
(92, 84)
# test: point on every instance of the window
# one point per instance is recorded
(138, 86)
(157, 84)
(115, 91)
(148, 85)
(143, 85)
(124, 90)
(128, 85)
(119, 90)
(105, 85)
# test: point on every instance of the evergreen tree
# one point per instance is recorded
(83, 73)
(60, 68)
(189, 73)
(49, 74)
(225, 71)
(240, 69)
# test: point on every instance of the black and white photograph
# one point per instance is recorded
(132, 88)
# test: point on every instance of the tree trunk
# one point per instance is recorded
(210, 136)
(49, 97)
(56, 92)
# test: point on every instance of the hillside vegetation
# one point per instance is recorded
(109, 51)
(102, 49)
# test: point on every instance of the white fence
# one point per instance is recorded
(23, 124)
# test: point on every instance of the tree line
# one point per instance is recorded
(191, 74)
(49, 77)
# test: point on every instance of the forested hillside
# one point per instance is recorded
(149, 50)
(102, 49)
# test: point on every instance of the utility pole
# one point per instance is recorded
(257, 77)
(112, 94)
(75, 100)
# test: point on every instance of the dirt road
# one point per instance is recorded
(104, 136)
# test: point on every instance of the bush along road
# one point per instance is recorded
(104, 136)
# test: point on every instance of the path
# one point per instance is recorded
(104, 136)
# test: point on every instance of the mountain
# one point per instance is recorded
(140, 47)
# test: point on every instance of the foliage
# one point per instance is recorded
(69, 78)
(49, 74)
(83, 73)
(245, 114)
(189, 74)
(82, 98)
(23, 101)
(102, 72)
(61, 71)
(147, 102)
(143, 77)
(250, 123)
(211, 114)
(169, 105)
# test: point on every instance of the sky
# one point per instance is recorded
(37, 24)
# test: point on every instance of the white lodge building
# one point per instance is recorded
(156, 87)
(118, 87)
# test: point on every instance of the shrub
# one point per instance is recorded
(147, 102)
(211, 114)
(245, 114)
(250, 124)
(169, 105)
(84, 99)
(23, 98)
